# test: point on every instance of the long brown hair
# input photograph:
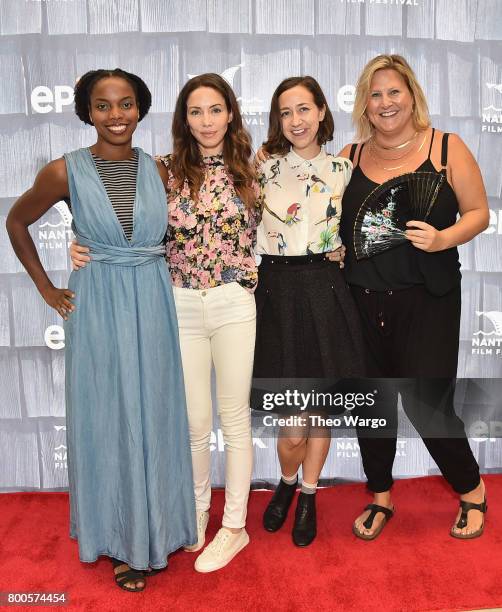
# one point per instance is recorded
(276, 142)
(186, 162)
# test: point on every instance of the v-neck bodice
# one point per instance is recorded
(94, 218)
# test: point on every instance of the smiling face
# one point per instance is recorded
(390, 104)
(114, 110)
(208, 118)
(300, 118)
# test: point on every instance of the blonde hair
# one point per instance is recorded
(420, 115)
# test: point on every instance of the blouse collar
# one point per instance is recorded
(296, 161)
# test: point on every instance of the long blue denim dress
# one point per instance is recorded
(129, 463)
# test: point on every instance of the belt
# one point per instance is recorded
(294, 260)
(122, 256)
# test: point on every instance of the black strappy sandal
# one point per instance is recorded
(128, 575)
(368, 523)
(462, 521)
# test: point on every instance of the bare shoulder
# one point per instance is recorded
(455, 142)
(53, 178)
(345, 152)
(458, 151)
(55, 170)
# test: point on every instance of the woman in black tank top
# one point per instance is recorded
(409, 297)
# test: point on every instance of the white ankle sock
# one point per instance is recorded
(290, 480)
(308, 488)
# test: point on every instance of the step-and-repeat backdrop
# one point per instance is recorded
(455, 46)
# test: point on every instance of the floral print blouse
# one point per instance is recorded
(210, 242)
(301, 201)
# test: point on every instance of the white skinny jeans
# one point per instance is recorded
(218, 326)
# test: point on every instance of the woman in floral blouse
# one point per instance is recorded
(211, 235)
(307, 325)
(213, 214)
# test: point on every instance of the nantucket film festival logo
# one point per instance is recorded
(348, 448)
(488, 339)
(491, 116)
(56, 235)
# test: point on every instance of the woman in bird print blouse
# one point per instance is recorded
(307, 326)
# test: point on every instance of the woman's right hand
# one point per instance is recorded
(59, 299)
(261, 156)
(78, 254)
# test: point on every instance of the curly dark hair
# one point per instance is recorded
(85, 85)
(276, 142)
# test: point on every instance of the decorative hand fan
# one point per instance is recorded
(380, 223)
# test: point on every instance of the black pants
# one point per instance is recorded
(413, 334)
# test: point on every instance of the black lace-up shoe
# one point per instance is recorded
(305, 527)
(277, 509)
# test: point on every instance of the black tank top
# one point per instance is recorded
(405, 265)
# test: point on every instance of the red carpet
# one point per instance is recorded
(414, 565)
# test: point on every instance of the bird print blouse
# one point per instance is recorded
(301, 203)
(210, 242)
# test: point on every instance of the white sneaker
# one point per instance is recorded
(221, 550)
(202, 521)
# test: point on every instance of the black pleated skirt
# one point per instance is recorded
(307, 322)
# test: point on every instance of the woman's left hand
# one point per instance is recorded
(424, 236)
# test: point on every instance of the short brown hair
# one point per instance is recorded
(276, 142)
(421, 119)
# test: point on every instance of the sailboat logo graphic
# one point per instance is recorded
(65, 214)
(228, 74)
(495, 319)
(496, 87)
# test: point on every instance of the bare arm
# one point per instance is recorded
(468, 186)
(471, 195)
(50, 186)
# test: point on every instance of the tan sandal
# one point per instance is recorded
(462, 521)
(368, 523)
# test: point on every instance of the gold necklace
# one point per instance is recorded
(395, 167)
(378, 154)
(399, 146)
